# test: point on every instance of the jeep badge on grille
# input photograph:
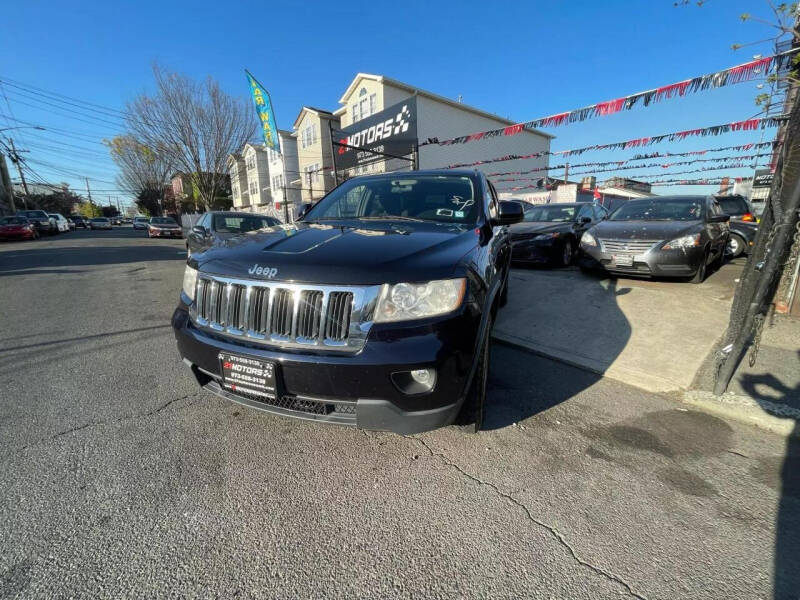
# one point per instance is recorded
(268, 272)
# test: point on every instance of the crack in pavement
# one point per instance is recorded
(120, 420)
(558, 536)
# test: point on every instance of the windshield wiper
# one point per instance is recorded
(390, 218)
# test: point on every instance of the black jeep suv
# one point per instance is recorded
(373, 310)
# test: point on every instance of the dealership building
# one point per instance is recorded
(370, 102)
(382, 125)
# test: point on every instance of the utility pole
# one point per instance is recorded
(6, 181)
(285, 206)
(16, 161)
(566, 173)
(119, 209)
(89, 193)
(310, 188)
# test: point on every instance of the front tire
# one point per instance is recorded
(701, 270)
(471, 414)
(566, 255)
(736, 245)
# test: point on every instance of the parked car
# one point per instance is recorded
(116, 220)
(100, 223)
(164, 227)
(17, 228)
(79, 221)
(668, 236)
(402, 275)
(214, 227)
(41, 221)
(737, 207)
(743, 236)
(61, 223)
(71, 224)
(550, 233)
(140, 222)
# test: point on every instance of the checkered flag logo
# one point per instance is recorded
(401, 122)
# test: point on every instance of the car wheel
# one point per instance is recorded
(736, 245)
(701, 270)
(565, 258)
(471, 414)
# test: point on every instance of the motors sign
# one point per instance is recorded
(392, 131)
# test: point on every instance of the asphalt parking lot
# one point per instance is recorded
(122, 479)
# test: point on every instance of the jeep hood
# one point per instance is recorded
(355, 253)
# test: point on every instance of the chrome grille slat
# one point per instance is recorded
(627, 246)
(293, 315)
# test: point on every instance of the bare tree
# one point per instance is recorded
(144, 170)
(196, 124)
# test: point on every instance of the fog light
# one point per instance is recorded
(418, 381)
(424, 376)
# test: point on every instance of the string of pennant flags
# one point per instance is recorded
(739, 163)
(619, 164)
(713, 130)
(735, 165)
(725, 77)
(715, 181)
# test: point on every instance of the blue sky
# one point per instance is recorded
(522, 60)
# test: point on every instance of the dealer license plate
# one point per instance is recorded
(248, 375)
(623, 261)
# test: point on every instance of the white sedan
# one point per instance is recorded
(100, 223)
(61, 223)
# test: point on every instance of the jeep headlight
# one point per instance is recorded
(407, 301)
(189, 282)
(587, 239)
(687, 241)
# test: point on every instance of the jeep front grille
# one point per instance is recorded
(282, 314)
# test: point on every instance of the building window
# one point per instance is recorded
(308, 136)
(253, 188)
(365, 106)
(277, 183)
(235, 191)
(251, 161)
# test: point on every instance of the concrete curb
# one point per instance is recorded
(770, 416)
(776, 418)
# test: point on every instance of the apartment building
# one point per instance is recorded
(434, 116)
(284, 168)
(314, 152)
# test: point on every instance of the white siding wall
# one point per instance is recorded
(238, 173)
(257, 178)
(436, 119)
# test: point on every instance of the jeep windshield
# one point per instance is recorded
(404, 197)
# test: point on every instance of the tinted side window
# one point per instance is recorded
(492, 200)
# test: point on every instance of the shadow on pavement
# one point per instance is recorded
(82, 338)
(782, 473)
(84, 256)
(516, 393)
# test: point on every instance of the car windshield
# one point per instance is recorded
(662, 209)
(550, 213)
(733, 205)
(39, 214)
(13, 221)
(240, 224)
(415, 197)
(100, 220)
(141, 219)
(163, 221)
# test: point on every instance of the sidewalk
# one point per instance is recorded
(651, 334)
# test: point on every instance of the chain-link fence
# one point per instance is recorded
(758, 282)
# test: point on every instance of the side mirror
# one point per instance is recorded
(719, 218)
(585, 220)
(303, 211)
(199, 230)
(508, 213)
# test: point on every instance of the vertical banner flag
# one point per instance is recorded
(265, 113)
